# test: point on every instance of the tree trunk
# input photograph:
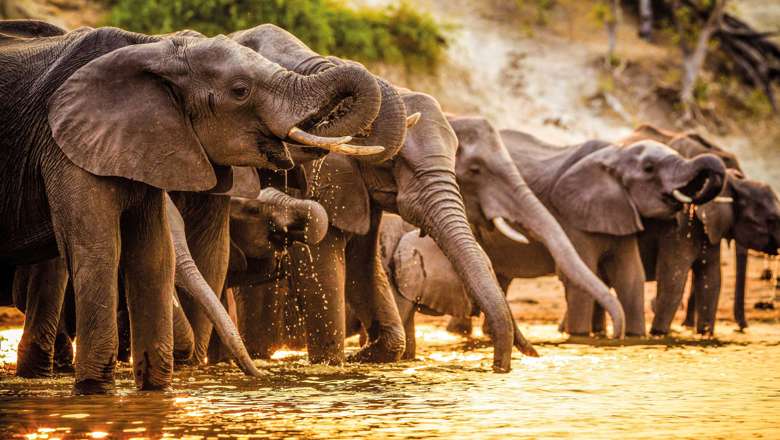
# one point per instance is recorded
(693, 60)
(646, 19)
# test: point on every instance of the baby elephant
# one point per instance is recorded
(599, 193)
(261, 231)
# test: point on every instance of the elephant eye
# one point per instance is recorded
(474, 169)
(240, 91)
(648, 168)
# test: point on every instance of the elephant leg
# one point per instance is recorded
(739, 289)
(260, 318)
(460, 326)
(406, 310)
(690, 311)
(706, 288)
(578, 318)
(123, 324)
(148, 266)
(320, 284)
(90, 245)
(63, 348)
(44, 291)
(207, 218)
(370, 297)
(626, 274)
(183, 337)
(674, 260)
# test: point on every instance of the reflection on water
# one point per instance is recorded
(676, 387)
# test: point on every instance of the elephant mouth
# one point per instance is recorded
(697, 190)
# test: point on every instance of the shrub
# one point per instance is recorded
(397, 34)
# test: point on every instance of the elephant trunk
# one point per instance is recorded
(327, 91)
(310, 217)
(189, 277)
(389, 125)
(532, 214)
(441, 214)
(701, 179)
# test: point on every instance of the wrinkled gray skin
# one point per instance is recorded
(68, 147)
(672, 248)
(597, 192)
(419, 184)
(44, 340)
(260, 226)
(261, 232)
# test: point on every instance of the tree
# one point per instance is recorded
(694, 56)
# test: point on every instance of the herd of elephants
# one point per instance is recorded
(165, 198)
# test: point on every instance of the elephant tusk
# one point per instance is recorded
(355, 150)
(413, 119)
(682, 198)
(311, 140)
(723, 199)
(509, 231)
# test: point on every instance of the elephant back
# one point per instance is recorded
(424, 276)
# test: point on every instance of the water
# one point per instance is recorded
(683, 387)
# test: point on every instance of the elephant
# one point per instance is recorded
(261, 233)
(598, 192)
(746, 211)
(70, 144)
(419, 184)
(262, 226)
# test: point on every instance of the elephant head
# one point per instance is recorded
(158, 105)
(261, 226)
(496, 194)
(389, 127)
(747, 211)
(608, 189)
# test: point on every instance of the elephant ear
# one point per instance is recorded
(339, 188)
(718, 218)
(121, 115)
(236, 182)
(425, 277)
(591, 199)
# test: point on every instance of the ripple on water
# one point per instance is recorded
(683, 386)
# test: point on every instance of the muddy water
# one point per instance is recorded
(727, 388)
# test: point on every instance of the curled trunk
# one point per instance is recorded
(388, 128)
(190, 279)
(310, 217)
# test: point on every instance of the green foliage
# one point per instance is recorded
(397, 34)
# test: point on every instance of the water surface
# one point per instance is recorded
(683, 387)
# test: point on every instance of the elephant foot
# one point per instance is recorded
(33, 362)
(92, 386)
(688, 322)
(460, 326)
(380, 351)
(656, 332)
(742, 325)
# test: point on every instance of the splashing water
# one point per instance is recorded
(683, 386)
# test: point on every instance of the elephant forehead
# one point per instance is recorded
(651, 149)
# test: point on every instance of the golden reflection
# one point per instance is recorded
(9, 340)
(652, 386)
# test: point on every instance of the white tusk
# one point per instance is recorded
(682, 198)
(308, 139)
(509, 231)
(413, 119)
(357, 150)
(723, 199)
